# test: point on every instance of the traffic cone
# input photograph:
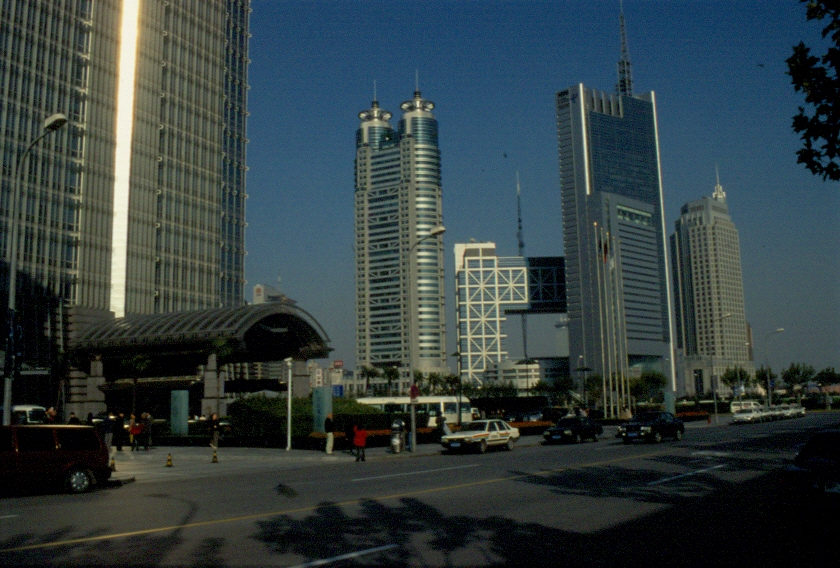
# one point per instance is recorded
(215, 458)
(113, 464)
(169, 460)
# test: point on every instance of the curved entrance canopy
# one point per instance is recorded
(176, 344)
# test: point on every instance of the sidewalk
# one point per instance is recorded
(190, 462)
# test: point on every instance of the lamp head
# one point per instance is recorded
(439, 230)
(55, 122)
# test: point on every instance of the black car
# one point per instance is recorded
(651, 426)
(573, 429)
(816, 467)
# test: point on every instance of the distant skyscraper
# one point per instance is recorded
(706, 259)
(617, 281)
(399, 272)
(137, 205)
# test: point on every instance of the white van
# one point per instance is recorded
(738, 405)
(28, 414)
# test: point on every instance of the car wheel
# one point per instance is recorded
(657, 437)
(510, 445)
(79, 480)
(482, 448)
(678, 435)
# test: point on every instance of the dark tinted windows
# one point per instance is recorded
(77, 439)
(35, 439)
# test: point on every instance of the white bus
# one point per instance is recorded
(431, 407)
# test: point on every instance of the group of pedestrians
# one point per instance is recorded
(356, 434)
(119, 431)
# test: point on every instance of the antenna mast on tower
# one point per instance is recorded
(520, 237)
(625, 71)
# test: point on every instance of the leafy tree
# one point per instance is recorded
(391, 374)
(593, 389)
(648, 385)
(817, 77)
(762, 375)
(798, 375)
(452, 384)
(827, 376)
(499, 390)
(734, 377)
(368, 373)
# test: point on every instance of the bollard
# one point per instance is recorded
(215, 457)
(169, 460)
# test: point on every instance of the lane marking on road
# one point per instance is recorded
(346, 556)
(8, 516)
(689, 474)
(420, 472)
(310, 508)
(712, 454)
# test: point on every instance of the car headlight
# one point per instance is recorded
(567, 432)
(622, 428)
(645, 428)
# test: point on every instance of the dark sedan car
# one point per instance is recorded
(651, 426)
(816, 467)
(573, 429)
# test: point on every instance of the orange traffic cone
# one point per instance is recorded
(169, 460)
(215, 458)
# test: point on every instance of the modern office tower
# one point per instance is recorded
(488, 288)
(399, 251)
(711, 328)
(617, 281)
(136, 205)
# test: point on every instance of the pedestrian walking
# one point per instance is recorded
(135, 428)
(359, 441)
(329, 428)
(119, 431)
(108, 430)
(213, 425)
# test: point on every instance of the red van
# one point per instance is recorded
(72, 457)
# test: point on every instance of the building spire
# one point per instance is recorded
(625, 71)
(719, 194)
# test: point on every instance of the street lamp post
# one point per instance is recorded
(712, 366)
(767, 365)
(289, 361)
(433, 232)
(51, 124)
(457, 356)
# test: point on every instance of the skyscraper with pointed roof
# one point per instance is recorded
(617, 280)
(399, 266)
(711, 329)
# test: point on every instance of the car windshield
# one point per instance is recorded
(474, 427)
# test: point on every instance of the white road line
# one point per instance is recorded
(413, 473)
(705, 469)
(9, 516)
(346, 556)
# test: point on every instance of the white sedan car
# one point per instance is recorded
(479, 435)
(749, 416)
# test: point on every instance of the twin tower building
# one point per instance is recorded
(617, 282)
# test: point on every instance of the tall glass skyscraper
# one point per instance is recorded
(137, 205)
(399, 268)
(617, 281)
(711, 328)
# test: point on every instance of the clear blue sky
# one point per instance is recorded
(492, 69)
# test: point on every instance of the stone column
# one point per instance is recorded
(84, 395)
(214, 388)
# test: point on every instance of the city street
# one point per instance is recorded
(710, 499)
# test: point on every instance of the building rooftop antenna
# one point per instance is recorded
(719, 194)
(624, 86)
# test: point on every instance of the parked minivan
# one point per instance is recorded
(71, 457)
(739, 405)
